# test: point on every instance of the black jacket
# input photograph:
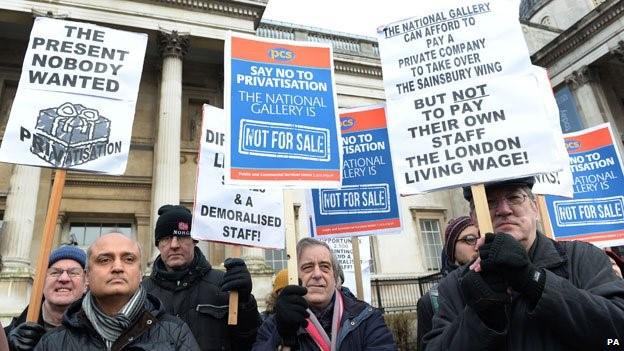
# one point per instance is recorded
(197, 299)
(154, 330)
(362, 328)
(581, 306)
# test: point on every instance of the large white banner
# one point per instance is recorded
(463, 104)
(251, 217)
(75, 102)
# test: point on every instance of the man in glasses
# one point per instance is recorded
(64, 284)
(526, 291)
(191, 289)
(460, 248)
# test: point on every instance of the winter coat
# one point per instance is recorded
(154, 330)
(362, 328)
(581, 306)
(198, 300)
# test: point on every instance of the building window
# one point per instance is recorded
(85, 233)
(432, 242)
(277, 259)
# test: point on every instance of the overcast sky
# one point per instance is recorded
(360, 17)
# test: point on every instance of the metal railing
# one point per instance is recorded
(392, 295)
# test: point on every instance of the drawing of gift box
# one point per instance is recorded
(70, 135)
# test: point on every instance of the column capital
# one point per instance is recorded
(618, 51)
(582, 76)
(173, 44)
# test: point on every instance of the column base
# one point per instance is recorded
(15, 290)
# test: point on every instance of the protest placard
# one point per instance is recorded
(75, 102)
(251, 217)
(366, 203)
(596, 213)
(553, 183)
(280, 99)
(463, 105)
(343, 250)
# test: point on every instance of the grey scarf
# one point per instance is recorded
(110, 328)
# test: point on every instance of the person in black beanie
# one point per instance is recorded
(526, 291)
(64, 283)
(191, 289)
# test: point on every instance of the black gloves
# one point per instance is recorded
(25, 336)
(237, 278)
(290, 313)
(503, 254)
(487, 294)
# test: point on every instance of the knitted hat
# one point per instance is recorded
(173, 220)
(68, 252)
(526, 181)
(453, 229)
(280, 281)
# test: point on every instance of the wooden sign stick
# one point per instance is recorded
(46, 245)
(291, 238)
(233, 307)
(543, 211)
(481, 209)
(357, 266)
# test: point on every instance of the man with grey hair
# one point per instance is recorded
(526, 291)
(117, 313)
(318, 314)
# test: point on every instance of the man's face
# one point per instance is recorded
(114, 266)
(177, 252)
(513, 212)
(64, 283)
(317, 275)
(465, 246)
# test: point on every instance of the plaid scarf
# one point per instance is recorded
(111, 327)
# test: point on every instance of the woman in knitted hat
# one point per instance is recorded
(460, 239)
(279, 282)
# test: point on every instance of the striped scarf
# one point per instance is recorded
(110, 328)
(316, 331)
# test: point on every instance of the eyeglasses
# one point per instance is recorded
(469, 239)
(166, 240)
(513, 199)
(71, 272)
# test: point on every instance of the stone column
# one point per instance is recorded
(16, 239)
(166, 183)
(591, 98)
(588, 94)
(261, 273)
(19, 217)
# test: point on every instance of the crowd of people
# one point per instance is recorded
(513, 290)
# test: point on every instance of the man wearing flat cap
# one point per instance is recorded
(526, 291)
(64, 283)
(191, 289)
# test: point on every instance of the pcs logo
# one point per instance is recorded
(572, 145)
(346, 123)
(281, 54)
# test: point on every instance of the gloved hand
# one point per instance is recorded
(502, 253)
(487, 294)
(237, 278)
(290, 313)
(25, 336)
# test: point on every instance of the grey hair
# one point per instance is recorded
(309, 242)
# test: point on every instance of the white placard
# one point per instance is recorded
(343, 249)
(554, 183)
(251, 217)
(463, 105)
(75, 102)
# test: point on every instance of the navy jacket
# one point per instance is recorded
(362, 328)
